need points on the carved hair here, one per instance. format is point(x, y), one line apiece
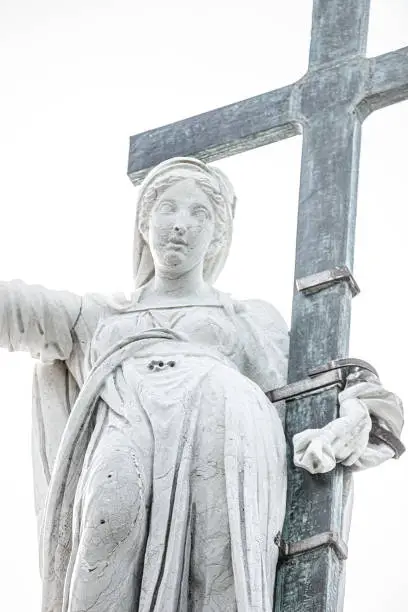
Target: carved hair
point(207, 185)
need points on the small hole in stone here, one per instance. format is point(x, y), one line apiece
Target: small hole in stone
point(172, 364)
point(161, 364)
point(109, 475)
point(103, 521)
point(151, 366)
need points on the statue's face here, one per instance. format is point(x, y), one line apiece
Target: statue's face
point(181, 228)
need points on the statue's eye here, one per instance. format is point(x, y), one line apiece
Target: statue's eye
point(200, 212)
point(167, 207)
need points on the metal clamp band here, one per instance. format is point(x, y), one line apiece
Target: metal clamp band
point(321, 280)
point(330, 374)
point(349, 364)
point(327, 538)
point(307, 386)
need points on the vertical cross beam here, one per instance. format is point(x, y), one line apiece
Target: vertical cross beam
point(312, 580)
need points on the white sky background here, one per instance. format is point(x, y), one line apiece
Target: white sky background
point(77, 78)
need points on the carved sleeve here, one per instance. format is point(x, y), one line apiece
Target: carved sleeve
point(37, 320)
point(383, 408)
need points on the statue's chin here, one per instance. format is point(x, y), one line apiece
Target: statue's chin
point(174, 259)
point(176, 262)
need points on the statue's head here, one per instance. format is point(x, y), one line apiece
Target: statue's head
point(184, 218)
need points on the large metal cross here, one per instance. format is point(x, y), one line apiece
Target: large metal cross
point(328, 105)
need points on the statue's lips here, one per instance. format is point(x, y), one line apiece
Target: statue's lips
point(177, 244)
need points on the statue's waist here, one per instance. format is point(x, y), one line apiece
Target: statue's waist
point(163, 344)
point(166, 350)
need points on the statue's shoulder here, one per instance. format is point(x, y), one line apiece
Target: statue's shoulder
point(260, 313)
point(96, 307)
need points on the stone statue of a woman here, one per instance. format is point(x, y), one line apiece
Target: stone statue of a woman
point(159, 461)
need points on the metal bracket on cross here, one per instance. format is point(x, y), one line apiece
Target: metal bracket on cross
point(334, 373)
point(328, 538)
point(328, 375)
point(322, 280)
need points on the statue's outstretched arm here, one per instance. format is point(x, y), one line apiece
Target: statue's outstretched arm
point(37, 320)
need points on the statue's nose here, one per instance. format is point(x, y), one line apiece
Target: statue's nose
point(179, 228)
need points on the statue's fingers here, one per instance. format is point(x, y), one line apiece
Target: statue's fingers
point(303, 438)
point(317, 458)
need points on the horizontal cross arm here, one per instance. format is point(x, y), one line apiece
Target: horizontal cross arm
point(387, 81)
point(210, 136)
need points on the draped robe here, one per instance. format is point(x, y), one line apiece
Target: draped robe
point(173, 398)
point(201, 435)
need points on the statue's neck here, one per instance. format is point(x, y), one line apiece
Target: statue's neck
point(187, 287)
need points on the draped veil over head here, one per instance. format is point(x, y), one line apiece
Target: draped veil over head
point(167, 173)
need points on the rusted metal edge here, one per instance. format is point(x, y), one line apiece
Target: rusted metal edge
point(327, 538)
point(321, 280)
